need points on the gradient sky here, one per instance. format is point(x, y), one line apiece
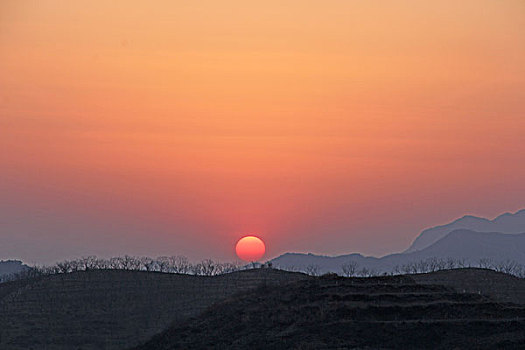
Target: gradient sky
point(176, 127)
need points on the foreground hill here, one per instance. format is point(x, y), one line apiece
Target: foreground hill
point(499, 286)
point(465, 245)
point(363, 313)
point(111, 309)
point(505, 223)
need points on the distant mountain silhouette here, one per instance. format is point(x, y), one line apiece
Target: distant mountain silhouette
point(505, 223)
point(472, 246)
point(9, 267)
point(468, 246)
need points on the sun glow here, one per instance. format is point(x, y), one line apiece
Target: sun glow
point(250, 248)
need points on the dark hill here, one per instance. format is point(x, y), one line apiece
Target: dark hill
point(357, 313)
point(500, 286)
point(110, 309)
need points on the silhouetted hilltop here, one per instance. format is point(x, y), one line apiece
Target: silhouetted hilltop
point(505, 223)
point(112, 309)
point(499, 286)
point(335, 312)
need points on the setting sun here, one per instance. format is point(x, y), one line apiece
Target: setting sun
point(250, 248)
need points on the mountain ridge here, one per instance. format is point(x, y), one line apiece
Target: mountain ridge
point(465, 246)
point(510, 223)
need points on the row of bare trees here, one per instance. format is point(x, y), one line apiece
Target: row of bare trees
point(352, 268)
point(435, 264)
point(167, 264)
point(207, 267)
point(170, 264)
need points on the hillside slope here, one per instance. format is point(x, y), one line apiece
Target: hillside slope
point(499, 286)
point(362, 313)
point(110, 309)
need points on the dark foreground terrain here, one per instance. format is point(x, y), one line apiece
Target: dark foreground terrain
point(332, 312)
point(111, 309)
point(261, 309)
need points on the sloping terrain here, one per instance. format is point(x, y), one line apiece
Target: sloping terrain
point(499, 286)
point(362, 313)
point(110, 309)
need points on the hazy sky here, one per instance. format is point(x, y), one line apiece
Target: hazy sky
point(175, 127)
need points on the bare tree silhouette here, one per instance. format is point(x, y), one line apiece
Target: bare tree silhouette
point(349, 268)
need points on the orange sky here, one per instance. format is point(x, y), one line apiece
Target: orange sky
point(174, 127)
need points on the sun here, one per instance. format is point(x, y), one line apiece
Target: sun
point(250, 248)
